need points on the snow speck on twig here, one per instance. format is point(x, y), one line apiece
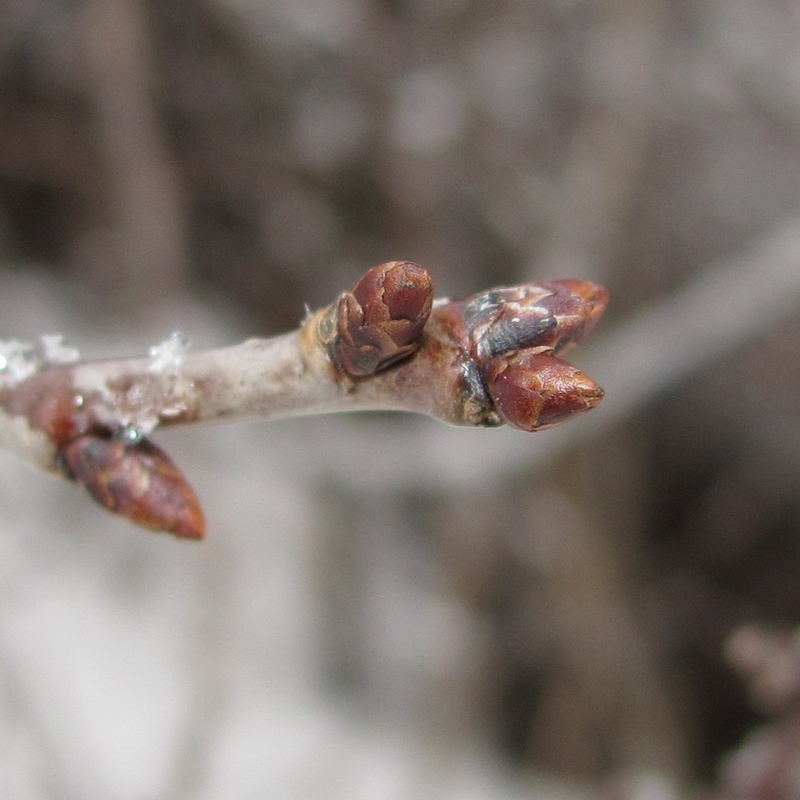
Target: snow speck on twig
point(168, 356)
point(17, 361)
point(54, 351)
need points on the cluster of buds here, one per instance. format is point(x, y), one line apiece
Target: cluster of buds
point(506, 339)
point(513, 335)
point(491, 359)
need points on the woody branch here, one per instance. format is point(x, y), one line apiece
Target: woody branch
point(386, 345)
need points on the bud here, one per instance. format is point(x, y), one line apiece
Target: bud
point(546, 316)
point(533, 391)
point(137, 481)
point(381, 321)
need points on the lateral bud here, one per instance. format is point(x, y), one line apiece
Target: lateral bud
point(137, 481)
point(380, 322)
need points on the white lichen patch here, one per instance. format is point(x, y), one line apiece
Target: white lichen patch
point(54, 351)
point(17, 361)
point(166, 360)
point(167, 357)
point(138, 410)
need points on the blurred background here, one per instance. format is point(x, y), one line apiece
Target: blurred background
point(386, 608)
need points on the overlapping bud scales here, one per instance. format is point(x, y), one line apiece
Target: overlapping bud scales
point(380, 321)
point(512, 336)
point(137, 481)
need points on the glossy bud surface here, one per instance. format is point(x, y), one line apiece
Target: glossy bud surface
point(381, 321)
point(137, 481)
point(532, 391)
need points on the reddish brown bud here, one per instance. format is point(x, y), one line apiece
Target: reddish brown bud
point(137, 481)
point(546, 316)
point(577, 305)
point(533, 391)
point(381, 321)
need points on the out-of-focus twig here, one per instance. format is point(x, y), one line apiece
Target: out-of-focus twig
point(146, 207)
point(607, 149)
point(626, 698)
point(770, 662)
point(766, 766)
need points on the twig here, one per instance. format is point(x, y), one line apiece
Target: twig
point(144, 198)
point(724, 307)
point(487, 360)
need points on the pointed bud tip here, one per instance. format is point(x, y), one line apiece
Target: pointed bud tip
point(593, 297)
point(589, 291)
point(190, 524)
point(138, 482)
point(532, 391)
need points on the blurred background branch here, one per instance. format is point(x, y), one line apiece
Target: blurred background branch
point(145, 212)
